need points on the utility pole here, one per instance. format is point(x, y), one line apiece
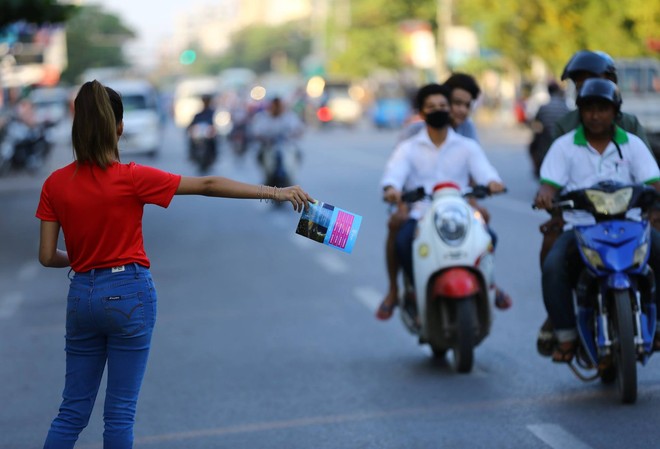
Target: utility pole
point(443, 18)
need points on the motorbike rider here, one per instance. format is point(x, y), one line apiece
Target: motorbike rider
point(463, 91)
point(582, 66)
point(453, 158)
point(275, 122)
point(598, 150)
point(205, 116)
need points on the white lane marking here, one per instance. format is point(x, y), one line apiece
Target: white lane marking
point(556, 437)
point(28, 271)
point(9, 304)
point(368, 296)
point(332, 262)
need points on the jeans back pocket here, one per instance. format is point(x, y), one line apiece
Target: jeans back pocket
point(125, 313)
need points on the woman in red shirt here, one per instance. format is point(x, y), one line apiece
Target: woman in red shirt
point(98, 203)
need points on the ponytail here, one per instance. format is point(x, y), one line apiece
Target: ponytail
point(94, 130)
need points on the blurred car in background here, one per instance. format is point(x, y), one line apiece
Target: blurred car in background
point(188, 95)
point(390, 112)
point(340, 103)
point(143, 123)
point(50, 104)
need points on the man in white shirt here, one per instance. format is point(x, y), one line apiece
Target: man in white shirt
point(435, 154)
point(597, 150)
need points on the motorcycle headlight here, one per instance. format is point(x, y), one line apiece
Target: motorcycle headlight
point(593, 258)
point(640, 254)
point(222, 121)
point(452, 224)
point(613, 203)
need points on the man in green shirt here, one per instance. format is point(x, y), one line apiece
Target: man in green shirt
point(583, 65)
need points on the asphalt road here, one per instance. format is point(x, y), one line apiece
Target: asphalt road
point(268, 340)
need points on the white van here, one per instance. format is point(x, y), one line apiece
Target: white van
point(188, 97)
point(142, 116)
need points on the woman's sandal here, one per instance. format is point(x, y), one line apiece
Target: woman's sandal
point(564, 352)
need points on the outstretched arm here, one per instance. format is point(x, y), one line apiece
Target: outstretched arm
point(222, 187)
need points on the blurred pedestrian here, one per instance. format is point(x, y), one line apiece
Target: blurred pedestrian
point(98, 202)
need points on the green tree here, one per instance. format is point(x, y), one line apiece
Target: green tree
point(34, 11)
point(555, 29)
point(373, 39)
point(94, 39)
point(255, 47)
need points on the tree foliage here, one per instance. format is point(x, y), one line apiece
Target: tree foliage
point(555, 29)
point(34, 11)
point(259, 46)
point(94, 39)
point(373, 39)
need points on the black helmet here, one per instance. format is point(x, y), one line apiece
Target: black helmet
point(599, 88)
point(596, 62)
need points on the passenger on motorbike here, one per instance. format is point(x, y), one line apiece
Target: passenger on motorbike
point(582, 66)
point(463, 91)
point(598, 150)
point(435, 154)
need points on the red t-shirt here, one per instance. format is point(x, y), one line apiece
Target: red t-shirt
point(100, 211)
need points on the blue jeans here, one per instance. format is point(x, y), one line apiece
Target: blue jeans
point(110, 317)
point(560, 272)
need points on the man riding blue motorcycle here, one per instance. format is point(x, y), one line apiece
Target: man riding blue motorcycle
point(597, 151)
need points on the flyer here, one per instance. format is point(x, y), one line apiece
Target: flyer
point(330, 225)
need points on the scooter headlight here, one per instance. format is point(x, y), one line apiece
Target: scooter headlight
point(593, 258)
point(452, 224)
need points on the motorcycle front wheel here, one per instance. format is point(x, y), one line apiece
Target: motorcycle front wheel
point(463, 347)
point(623, 345)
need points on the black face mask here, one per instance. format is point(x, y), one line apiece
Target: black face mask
point(437, 119)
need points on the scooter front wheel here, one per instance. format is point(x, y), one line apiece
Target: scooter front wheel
point(623, 342)
point(463, 347)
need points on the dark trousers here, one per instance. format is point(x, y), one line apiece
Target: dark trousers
point(560, 272)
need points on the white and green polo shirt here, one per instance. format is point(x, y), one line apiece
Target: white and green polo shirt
point(571, 163)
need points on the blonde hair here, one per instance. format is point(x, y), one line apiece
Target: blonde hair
point(94, 130)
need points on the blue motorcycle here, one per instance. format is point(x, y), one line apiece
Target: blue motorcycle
point(615, 292)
